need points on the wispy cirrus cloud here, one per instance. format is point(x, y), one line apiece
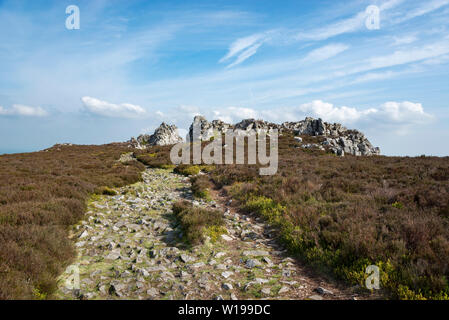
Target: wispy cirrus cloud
point(325, 52)
point(425, 8)
point(243, 48)
point(107, 109)
point(24, 111)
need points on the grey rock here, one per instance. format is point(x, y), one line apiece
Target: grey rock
point(186, 258)
point(227, 286)
point(227, 274)
point(323, 291)
point(256, 253)
point(266, 291)
point(251, 263)
point(152, 292)
point(284, 289)
point(164, 135)
point(339, 139)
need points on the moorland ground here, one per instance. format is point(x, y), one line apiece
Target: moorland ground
point(338, 215)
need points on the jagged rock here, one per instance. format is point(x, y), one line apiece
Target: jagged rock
point(257, 125)
point(117, 289)
point(339, 139)
point(201, 129)
point(164, 135)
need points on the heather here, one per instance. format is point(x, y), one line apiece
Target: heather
point(41, 195)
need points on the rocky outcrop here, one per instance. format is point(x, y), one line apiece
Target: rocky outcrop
point(164, 135)
point(201, 129)
point(338, 139)
point(257, 125)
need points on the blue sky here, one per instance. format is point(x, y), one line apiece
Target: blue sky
point(133, 64)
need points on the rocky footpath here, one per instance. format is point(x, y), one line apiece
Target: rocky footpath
point(130, 246)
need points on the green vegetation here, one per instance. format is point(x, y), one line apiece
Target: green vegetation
point(155, 157)
point(338, 214)
point(200, 186)
point(41, 194)
point(195, 221)
point(343, 214)
point(187, 170)
point(105, 191)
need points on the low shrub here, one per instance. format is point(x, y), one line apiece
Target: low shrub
point(196, 220)
point(187, 170)
point(106, 191)
point(200, 186)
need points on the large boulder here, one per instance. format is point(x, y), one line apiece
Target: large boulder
point(164, 135)
point(201, 129)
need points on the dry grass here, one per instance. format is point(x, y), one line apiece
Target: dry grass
point(41, 194)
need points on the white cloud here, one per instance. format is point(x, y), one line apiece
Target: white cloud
point(234, 114)
point(410, 55)
point(399, 113)
point(325, 52)
point(22, 110)
point(103, 108)
point(328, 111)
point(438, 60)
point(343, 26)
point(395, 116)
point(404, 112)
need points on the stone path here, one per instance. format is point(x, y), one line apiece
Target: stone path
point(130, 247)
